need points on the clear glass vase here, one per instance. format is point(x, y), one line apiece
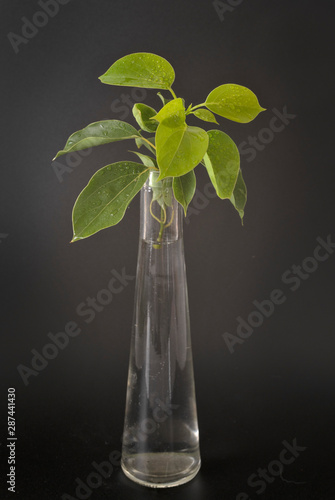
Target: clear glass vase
point(160, 445)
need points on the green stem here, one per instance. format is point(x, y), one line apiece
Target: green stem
point(172, 92)
point(198, 106)
point(146, 140)
point(161, 229)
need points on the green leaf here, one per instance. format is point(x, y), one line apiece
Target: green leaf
point(179, 149)
point(222, 161)
point(140, 70)
point(239, 196)
point(173, 111)
point(234, 102)
point(205, 115)
point(184, 189)
point(142, 114)
point(146, 160)
point(98, 133)
point(104, 200)
point(141, 142)
point(163, 99)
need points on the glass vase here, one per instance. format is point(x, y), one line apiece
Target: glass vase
point(160, 445)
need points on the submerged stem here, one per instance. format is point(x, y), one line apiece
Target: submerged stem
point(162, 194)
point(162, 222)
point(163, 226)
point(171, 220)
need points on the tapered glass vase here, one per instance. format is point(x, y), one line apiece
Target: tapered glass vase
point(160, 445)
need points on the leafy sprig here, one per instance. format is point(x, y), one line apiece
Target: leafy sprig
point(175, 147)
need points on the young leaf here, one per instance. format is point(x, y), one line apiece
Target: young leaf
point(179, 148)
point(222, 161)
point(239, 196)
point(163, 99)
point(173, 111)
point(142, 114)
point(188, 111)
point(184, 189)
point(140, 70)
point(234, 102)
point(146, 160)
point(141, 142)
point(98, 133)
point(205, 115)
point(103, 202)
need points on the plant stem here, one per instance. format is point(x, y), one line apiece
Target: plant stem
point(197, 106)
point(146, 140)
point(172, 92)
point(161, 229)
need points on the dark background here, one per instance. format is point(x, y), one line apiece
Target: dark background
point(279, 384)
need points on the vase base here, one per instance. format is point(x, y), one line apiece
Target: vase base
point(161, 470)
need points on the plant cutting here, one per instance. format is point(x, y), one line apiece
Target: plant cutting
point(161, 440)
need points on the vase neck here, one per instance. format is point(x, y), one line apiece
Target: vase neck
point(161, 215)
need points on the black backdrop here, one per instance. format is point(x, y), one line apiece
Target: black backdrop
point(275, 387)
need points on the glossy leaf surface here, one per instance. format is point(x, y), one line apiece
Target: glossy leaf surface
point(142, 114)
point(103, 202)
point(239, 196)
point(179, 148)
point(173, 111)
point(222, 161)
point(148, 161)
point(205, 115)
point(184, 189)
point(98, 133)
point(234, 102)
point(140, 70)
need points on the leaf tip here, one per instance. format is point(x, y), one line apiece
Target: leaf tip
point(161, 176)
